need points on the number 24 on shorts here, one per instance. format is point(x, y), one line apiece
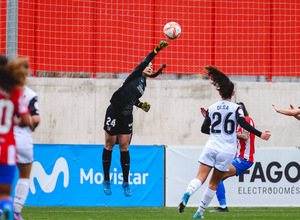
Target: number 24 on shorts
point(111, 122)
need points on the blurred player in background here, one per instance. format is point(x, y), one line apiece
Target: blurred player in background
point(220, 122)
point(291, 112)
point(12, 79)
point(119, 120)
point(242, 161)
point(24, 143)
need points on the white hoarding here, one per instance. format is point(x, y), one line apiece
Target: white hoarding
point(273, 180)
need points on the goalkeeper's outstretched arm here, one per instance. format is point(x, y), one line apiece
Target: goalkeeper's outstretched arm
point(158, 72)
point(141, 67)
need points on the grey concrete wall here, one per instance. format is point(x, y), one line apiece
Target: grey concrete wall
point(72, 110)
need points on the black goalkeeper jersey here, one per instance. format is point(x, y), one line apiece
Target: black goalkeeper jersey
point(132, 89)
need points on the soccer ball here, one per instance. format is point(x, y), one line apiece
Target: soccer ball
point(172, 30)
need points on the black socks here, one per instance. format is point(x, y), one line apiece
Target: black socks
point(106, 161)
point(125, 163)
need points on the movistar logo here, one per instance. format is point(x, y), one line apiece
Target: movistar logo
point(48, 182)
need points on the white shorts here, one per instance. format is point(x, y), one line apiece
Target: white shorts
point(25, 155)
point(213, 158)
point(24, 148)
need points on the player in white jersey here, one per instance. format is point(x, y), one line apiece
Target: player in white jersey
point(242, 161)
point(220, 122)
point(290, 112)
point(24, 143)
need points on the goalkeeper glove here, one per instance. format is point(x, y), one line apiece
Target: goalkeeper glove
point(145, 106)
point(161, 46)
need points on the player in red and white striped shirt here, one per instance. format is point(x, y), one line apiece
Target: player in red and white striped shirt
point(12, 78)
point(245, 144)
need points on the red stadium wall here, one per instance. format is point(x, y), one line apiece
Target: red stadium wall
point(241, 37)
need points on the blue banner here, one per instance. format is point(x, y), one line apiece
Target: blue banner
point(72, 175)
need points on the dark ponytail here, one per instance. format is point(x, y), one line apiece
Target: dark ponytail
point(220, 81)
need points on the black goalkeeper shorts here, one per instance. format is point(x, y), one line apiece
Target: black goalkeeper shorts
point(115, 123)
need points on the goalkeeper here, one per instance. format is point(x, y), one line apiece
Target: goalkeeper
point(118, 121)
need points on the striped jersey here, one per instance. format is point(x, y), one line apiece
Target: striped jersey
point(10, 105)
point(245, 149)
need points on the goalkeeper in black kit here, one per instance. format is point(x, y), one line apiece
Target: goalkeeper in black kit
point(118, 121)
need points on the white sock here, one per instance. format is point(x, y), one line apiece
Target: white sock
point(194, 186)
point(21, 193)
point(206, 199)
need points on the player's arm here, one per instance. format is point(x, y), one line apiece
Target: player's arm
point(24, 120)
point(296, 116)
point(203, 111)
point(290, 112)
point(244, 136)
point(158, 72)
point(143, 105)
point(34, 113)
point(139, 69)
point(205, 128)
point(34, 122)
point(244, 124)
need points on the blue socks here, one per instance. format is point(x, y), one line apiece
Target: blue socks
point(221, 194)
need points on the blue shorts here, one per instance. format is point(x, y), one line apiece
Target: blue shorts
point(7, 173)
point(241, 165)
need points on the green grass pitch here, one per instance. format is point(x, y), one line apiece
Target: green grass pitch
point(126, 213)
